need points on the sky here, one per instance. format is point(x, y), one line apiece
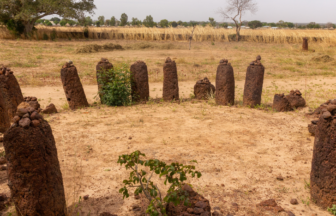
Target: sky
point(296, 11)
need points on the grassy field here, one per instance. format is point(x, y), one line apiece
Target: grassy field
point(240, 151)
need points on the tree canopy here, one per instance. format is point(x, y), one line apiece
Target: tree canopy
point(164, 23)
point(148, 22)
point(212, 21)
point(113, 21)
point(123, 19)
point(255, 24)
point(24, 14)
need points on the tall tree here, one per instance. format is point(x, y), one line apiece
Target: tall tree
point(135, 22)
point(113, 21)
point(255, 24)
point(101, 19)
point(107, 22)
point(212, 21)
point(174, 24)
point(164, 23)
point(148, 22)
point(26, 12)
point(123, 19)
point(235, 10)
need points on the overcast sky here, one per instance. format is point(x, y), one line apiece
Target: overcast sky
point(297, 11)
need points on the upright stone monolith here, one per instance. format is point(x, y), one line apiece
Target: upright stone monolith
point(203, 89)
point(225, 83)
point(139, 83)
point(11, 97)
point(305, 44)
point(72, 86)
point(102, 75)
point(254, 83)
point(34, 175)
point(323, 172)
point(170, 81)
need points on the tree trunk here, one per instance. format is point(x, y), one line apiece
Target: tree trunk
point(237, 34)
point(29, 28)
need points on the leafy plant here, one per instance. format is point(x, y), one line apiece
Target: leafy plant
point(116, 86)
point(45, 36)
point(332, 210)
point(175, 174)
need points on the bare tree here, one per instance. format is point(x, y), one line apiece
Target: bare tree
point(235, 9)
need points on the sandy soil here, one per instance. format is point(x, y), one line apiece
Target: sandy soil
point(240, 151)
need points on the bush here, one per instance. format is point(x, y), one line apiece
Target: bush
point(116, 86)
point(332, 210)
point(53, 34)
point(175, 174)
point(45, 36)
point(15, 27)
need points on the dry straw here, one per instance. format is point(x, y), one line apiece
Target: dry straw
point(182, 34)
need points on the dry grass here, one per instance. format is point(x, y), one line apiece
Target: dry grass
point(182, 34)
point(38, 63)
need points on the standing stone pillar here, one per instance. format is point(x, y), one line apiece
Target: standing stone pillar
point(72, 86)
point(34, 175)
point(139, 81)
point(323, 172)
point(10, 97)
point(305, 44)
point(170, 81)
point(254, 83)
point(102, 75)
point(225, 83)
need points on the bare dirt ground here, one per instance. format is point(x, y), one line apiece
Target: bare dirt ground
point(240, 151)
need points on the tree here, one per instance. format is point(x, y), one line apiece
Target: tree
point(255, 24)
point(97, 23)
point(148, 22)
point(113, 21)
point(107, 22)
point(290, 25)
point(55, 19)
point(39, 21)
point(281, 24)
point(135, 22)
point(47, 23)
point(63, 22)
point(185, 24)
point(329, 25)
point(101, 19)
point(313, 25)
point(88, 21)
point(272, 24)
point(27, 12)
point(174, 24)
point(123, 19)
point(179, 23)
point(235, 10)
point(224, 25)
point(164, 23)
point(212, 21)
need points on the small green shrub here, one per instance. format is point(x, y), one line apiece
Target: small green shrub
point(53, 35)
point(175, 174)
point(45, 36)
point(116, 86)
point(332, 210)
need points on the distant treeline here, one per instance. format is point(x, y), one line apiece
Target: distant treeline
point(149, 22)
